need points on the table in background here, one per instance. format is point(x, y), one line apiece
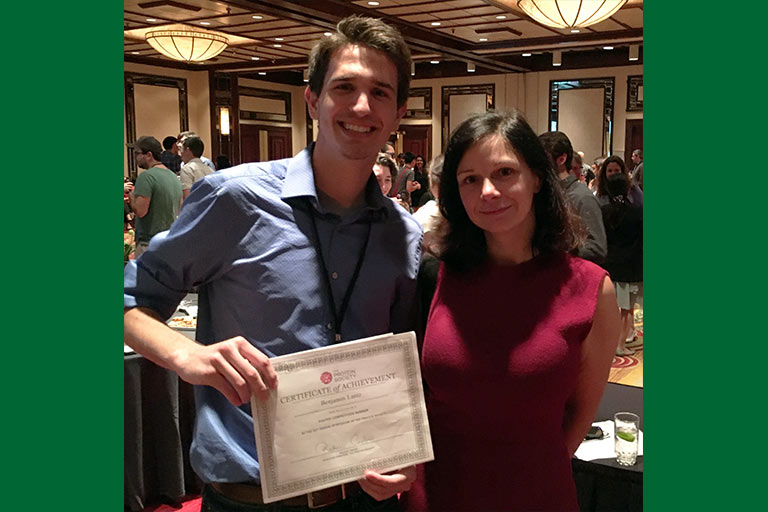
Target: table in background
point(603, 484)
point(159, 419)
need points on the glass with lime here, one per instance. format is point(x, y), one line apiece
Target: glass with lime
point(626, 432)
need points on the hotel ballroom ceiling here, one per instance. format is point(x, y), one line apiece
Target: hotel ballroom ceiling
point(275, 36)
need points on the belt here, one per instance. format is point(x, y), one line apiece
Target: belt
point(250, 493)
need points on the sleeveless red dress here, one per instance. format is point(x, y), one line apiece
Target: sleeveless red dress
point(500, 360)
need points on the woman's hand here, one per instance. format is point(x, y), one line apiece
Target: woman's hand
point(381, 487)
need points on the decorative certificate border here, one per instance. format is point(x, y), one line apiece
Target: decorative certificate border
point(405, 344)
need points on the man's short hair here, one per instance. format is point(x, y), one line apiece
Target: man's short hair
point(638, 153)
point(370, 32)
point(168, 142)
point(195, 145)
point(408, 157)
point(555, 144)
point(185, 134)
point(148, 144)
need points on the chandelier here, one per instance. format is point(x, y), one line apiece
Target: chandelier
point(569, 13)
point(187, 44)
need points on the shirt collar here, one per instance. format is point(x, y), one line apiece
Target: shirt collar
point(300, 182)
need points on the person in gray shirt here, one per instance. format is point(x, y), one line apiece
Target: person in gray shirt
point(560, 151)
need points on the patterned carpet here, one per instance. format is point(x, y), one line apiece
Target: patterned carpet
point(629, 369)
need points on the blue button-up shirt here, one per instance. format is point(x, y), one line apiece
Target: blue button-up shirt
point(244, 236)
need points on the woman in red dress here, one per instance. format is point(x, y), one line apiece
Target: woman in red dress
point(520, 334)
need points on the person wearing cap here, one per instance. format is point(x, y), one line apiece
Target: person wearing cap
point(275, 247)
point(156, 195)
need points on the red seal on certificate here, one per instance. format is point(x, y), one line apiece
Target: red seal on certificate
point(326, 378)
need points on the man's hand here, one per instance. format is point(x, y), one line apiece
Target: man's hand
point(382, 487)
point(234, 367)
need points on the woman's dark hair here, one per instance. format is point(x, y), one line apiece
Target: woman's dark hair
point(600, 180)
point(463, 245)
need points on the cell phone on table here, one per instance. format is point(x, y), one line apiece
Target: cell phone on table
point(594, 433)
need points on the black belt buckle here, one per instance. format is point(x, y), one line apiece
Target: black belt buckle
point(326, 497)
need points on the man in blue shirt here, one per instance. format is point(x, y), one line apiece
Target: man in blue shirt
point(288, 255)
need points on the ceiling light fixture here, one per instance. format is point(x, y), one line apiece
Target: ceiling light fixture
point(262, 72)
point(277, 45)
point(568, 13)
point(278, 39)
point(501, 17)
point(557, 58)
point(434, 62)
point(634, 52)
point(470, 67)
point(413, 68)
point(188, 44)
point(254, 58)
point(435, 23)
point(483, 39)
point(305, 75)
point(257, 17)
point(327, 34)
point(151, 20)
point(526, 55)
point(607, 47)
point(205, 23)
point(373, 3)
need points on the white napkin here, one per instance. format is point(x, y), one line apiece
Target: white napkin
point(592, 449)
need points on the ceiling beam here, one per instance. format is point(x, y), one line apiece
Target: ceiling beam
point(326, 13)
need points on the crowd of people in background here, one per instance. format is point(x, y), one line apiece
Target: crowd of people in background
point(183, 155)
point(606, 197)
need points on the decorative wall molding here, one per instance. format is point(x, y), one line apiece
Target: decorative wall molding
point(268, 94)
point(452, 90)
point(131, 79)
point(634, 93)
point(422, 113)
point(606, 84)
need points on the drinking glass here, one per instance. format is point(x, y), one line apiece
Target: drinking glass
point(626, 433)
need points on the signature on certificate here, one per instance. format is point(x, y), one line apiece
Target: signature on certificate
point(356, 440)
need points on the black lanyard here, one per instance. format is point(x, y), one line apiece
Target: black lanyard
point(338, 316)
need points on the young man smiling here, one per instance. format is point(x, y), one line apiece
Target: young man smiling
point(288, 256)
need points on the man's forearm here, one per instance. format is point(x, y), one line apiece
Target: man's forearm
point(149, 336)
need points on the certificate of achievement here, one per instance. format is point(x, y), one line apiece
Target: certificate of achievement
point(338, 411)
